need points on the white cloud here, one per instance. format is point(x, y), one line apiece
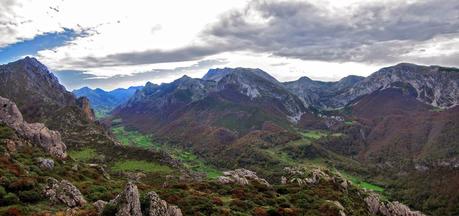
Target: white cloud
point(147, 28)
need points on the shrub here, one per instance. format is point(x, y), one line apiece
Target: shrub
point(2, 191)
point(5, 132)
point(10, 199)
point(109, 210)
point(99, 193)
point(30, 196)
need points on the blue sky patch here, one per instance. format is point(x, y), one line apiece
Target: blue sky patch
point(31, 47)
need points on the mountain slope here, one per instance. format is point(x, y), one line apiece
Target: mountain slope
point(210, 115)
point(434, 85)
point(317, 93)
point(41, 98)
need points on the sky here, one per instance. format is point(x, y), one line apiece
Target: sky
point(110, 44)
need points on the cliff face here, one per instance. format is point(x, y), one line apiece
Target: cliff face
point(37, 133)
point(83, 103)
point(433, 85)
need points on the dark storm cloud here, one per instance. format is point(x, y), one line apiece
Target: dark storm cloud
point(151, 57)
point(73, 79)
point(370, 32)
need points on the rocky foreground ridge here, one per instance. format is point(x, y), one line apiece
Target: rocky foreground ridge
point(38, 133)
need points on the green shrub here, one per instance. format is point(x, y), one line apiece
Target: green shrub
point(2, 191)
point(109, 210)
point(99, 193)
point(30, 196)
point(5, 132)
point(10, 199)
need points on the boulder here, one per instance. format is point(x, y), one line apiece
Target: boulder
point(99, 205)
point(37, 133)
point(45, 163)
point(128, 201)
point(64, 192)
point(159, 207)
point(301, 177)
point(241, 177)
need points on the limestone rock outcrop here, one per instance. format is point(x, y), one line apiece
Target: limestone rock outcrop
point(83, 103)
point(45, 163)
point(241, 177)
point(37, 133)
point(64, 192)
point(377, 207)
point(128, 201)
point(159, 207)
point(301, 177)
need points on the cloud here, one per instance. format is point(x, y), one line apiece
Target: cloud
point(74, 79)
point(371, 32)
point(190, 53)
point(40, 42)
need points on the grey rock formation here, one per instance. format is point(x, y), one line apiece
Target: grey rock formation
point(317, 93)
point(377, 207)
point(128, 201)
point(46, 163)
point(159, 207)
point(99, 205)
point(241, 177)
point(433, 85)
point(64, 192)
point(83, 103)
point(304, 177)
point(37, 133)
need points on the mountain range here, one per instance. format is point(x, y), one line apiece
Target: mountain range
point(104, 101)
point(303, 147)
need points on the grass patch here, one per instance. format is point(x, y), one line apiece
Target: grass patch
point(362, 184)
point(188, 159)
point(140, 165)
point(313, 134)
point(436, 109)
point(132, 138)
point(85, 154)
point(192, 162)
point(102, 112)
point(349, 122)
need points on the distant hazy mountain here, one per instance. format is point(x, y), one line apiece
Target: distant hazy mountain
point(104, 101)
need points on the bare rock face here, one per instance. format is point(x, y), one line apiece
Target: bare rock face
point(49, 140)
point(128, 201)
point(99, 205)
point(64, 192)
point(83, 103)
point(241, 177)
point(159, 207)
point(377, 207)
point(46, 163)
point(303, 177)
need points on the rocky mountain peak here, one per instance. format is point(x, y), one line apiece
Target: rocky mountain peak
point(83, 103)
point(220, 73)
